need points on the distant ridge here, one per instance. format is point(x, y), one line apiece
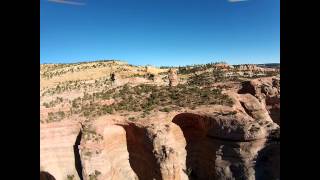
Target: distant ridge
point(89, 61)
point(266, 65)
point(270, 65)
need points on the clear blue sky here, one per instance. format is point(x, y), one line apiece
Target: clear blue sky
point(160, 32)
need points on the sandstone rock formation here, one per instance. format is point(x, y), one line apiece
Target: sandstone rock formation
point(210, 140)
point(193, 146)
point(248, 67)
point(216, 143)
point(267, 91)
point(254, 68)
point(131, 151)
point(157, 79)
point(58, 149)
point(223, 66)
point(173, 78)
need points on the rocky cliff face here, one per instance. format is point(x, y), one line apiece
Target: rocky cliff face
point(249, 67)
point(58, 151)
point(267, 91)
point(138, 128)
point(205, 143)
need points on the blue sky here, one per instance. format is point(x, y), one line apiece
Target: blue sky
point(160, 32)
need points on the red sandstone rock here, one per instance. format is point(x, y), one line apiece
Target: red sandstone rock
point(267, 91)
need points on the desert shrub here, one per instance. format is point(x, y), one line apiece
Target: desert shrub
point(88, 153)
point(53, 103)
point(137, 75)
point(146, 98)
point(70, 177)
point(94, 175)
point(89, 133)
point(55, 116)
point(46, 105)
point(166, 109)
point(96, 172)
point(107, 109)
point(150, 76)
point(112, 77)
point(218, 74)
point(203, 79)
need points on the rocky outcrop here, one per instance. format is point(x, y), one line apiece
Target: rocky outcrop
point(173, 78)
point(130, 151)
point(110, 157)
point(249, 67)
point(267, 91)
point(226, 146)
point(216, 142)
point(223, 66)
point(108, 139)
point(157, 79)
point(246, 160)
point(58, 153)
point(193, 146)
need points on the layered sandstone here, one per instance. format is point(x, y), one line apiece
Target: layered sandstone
point(171, 146)
point(183, 148)
point(249, 67)
point(58, 151)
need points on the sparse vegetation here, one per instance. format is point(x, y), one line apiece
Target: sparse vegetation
point(53, 103)
point(131, 118)
point(49, 71)
point(70, 177)
point(190, 69)
point(55, 116)
point(88, 153)
point(101, 98)
point(166, 109)
point(148, 97)
point(150, 76)
point(88, 133)
point(94, 176)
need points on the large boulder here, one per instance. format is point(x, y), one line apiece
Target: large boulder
point(173, 78)
point(267, 91)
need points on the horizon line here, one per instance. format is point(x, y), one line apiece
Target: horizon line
point(102, 60)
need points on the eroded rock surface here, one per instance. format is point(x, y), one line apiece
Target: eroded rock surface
point(57, 150)
point(267, 91)
point(209, 127)
point(219, 142)
point(173, 78)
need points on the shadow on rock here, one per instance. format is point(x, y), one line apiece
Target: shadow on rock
point(46, 176)
point(141, 157)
